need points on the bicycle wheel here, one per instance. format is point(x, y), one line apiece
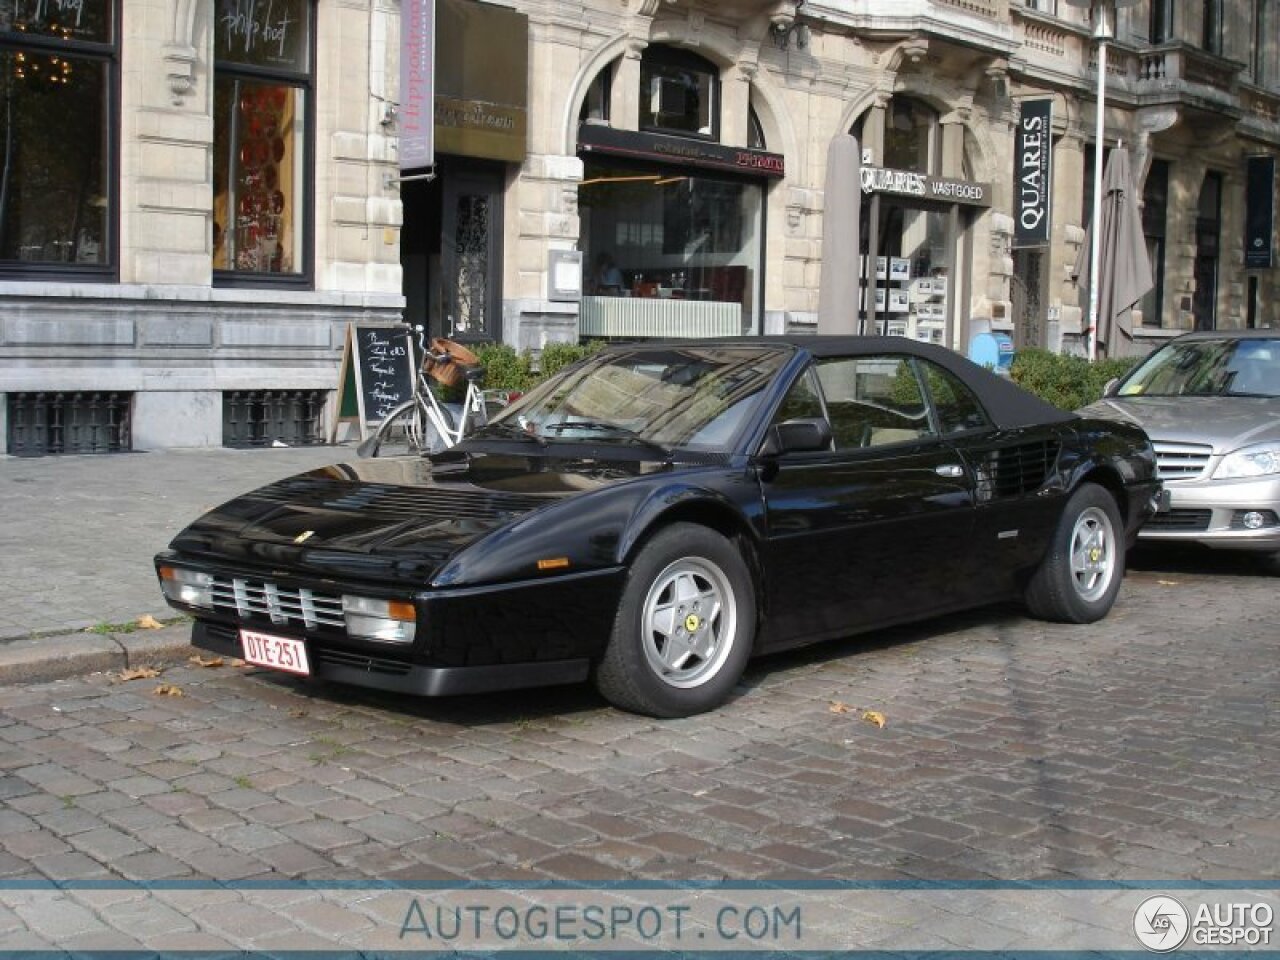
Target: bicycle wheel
point(401, 431)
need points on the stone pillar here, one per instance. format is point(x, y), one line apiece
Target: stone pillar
point(624, 103)
point(735, 104)
point(1065, 295)
point(952, 147)
point(358, 232)
point(546, 201)
point(1185, 180)
point(1231, 277)
point(165, 194)
point(873, 130)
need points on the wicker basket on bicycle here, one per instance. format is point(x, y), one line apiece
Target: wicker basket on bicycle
point(449, 371)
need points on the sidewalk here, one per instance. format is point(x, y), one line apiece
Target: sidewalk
point(77, 538)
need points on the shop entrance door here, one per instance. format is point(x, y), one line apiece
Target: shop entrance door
point(471, 253)
point(1208, 238)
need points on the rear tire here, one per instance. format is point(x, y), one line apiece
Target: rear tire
point(685, 627)
point(1079, 578)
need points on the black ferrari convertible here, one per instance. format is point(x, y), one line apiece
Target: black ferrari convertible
point(656, 515)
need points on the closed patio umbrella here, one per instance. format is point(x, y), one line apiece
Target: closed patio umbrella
point(841, 207)
point(1124, 273)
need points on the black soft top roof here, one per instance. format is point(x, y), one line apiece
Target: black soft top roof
point(1008, 404)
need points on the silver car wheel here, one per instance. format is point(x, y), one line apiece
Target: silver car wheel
point(1093, 554)
point(689, 622)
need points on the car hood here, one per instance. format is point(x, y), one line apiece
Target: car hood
point(1225, 423)
point(397, 519)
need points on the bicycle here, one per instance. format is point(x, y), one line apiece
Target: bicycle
point(423, 424)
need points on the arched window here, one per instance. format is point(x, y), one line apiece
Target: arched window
point(911, 140)
point(679, 93)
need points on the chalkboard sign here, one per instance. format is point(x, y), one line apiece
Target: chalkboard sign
point(377, 374)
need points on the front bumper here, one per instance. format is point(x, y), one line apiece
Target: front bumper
point(361, 669)
point(1210, 513)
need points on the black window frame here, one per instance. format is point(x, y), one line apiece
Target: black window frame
point(1212, 27)
point(679, 58)
point(107, 53)
point(303, 279)
point(1160, 21)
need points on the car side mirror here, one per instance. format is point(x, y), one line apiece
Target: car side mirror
point(1110, 389)
point(801, 435)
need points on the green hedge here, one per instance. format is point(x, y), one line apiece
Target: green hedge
point(1065, 381)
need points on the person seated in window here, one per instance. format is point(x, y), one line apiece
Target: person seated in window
point(608, 278)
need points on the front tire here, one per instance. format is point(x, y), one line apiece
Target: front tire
point(685, 627)
point(1079, 578)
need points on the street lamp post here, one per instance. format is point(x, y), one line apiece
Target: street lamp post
point(1102, 13)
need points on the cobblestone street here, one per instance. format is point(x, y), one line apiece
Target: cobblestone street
point(1144, 747)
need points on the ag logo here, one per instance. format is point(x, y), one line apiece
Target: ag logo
point(1161, 924)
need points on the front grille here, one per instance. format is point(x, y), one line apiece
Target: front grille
point(1181, 461)
point(1181, 520)
point(362, 662)
point(41, 424)
point(413, 503)
point(283, 606)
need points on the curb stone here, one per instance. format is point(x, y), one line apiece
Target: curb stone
point(42, 659)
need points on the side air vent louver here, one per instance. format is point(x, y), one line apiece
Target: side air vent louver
point(1013, 471)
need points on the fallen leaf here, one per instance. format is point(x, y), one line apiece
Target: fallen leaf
point(874, 716)
point(200, 661)
point(838, 707)
point(139, 673)
point(237, 662)
point(297, 712)
point(168, 690)
point(1167, 583)
point(148, 622)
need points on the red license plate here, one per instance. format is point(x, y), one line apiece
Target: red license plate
point(277, 653)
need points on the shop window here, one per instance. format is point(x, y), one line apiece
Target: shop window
point(911, 136)
point(1160, 26)
point(679, 93)
point(60, 66)
point(755, 132)
point(1212, 26)
point(684, 249)
point(1155, 217)
point(262, 154)
point(595, 106)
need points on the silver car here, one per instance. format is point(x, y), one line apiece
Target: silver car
point(1211, 404)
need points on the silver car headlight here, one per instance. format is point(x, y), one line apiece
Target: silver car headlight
point(1262, 460)
point(385, 621)
point(191, 588)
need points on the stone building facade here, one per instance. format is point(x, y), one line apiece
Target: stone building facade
point(242, 210)
point(931, 88)
point(676, 149)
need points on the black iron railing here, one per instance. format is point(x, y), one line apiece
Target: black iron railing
point(261, 418)
point(52, 422)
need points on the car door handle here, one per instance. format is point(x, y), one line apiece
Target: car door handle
point(952, 470)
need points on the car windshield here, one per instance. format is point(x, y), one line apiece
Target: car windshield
point(693, 398)
point(1245, 367)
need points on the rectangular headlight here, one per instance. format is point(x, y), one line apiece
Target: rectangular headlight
point(384, 621)
point(191, 588)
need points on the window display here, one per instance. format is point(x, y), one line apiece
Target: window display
point(260, 140)
point(910, 282)
point(56, 192)
point(688, 246)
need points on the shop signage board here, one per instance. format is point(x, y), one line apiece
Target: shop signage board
point(417, 82)
point(680, 150)
point(1260, 209)
point(376, 376)
point(907, 183)
point(1033, 173)
point(481, 80)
